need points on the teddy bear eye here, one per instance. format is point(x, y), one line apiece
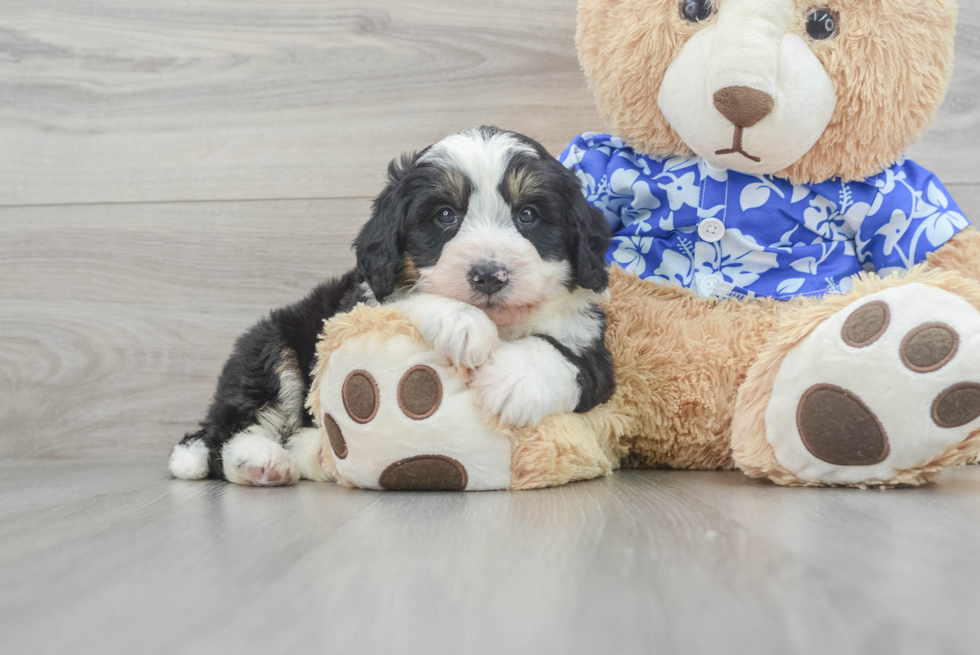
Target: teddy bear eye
point(821, 24)
point(695, 11)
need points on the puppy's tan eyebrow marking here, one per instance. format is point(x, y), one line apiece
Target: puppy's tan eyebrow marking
point(454, 185)
point(522, 183)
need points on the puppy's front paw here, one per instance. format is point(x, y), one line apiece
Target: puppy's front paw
point(461, 332)
point(252, 458)
point(525, 381)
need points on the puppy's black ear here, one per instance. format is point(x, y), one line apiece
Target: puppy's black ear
point(378, 246)
point(590, 239)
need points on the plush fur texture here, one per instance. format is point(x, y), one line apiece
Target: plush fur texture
point(755, 455)
point(693, 379)
point(890, 66)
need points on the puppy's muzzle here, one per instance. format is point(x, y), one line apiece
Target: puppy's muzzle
point(489, 278)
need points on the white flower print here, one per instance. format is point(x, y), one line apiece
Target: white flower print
point(823, 218)
point(790, 285)
point(894, 230)
point(780, 240)
point(940, 225)
point(757, 194)
point(682, 191)
point(631, 253)
point(710, 172)
point(738, 257)
point(677, 267)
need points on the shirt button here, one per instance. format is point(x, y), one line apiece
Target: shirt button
point(711, 230)
point(708, 284)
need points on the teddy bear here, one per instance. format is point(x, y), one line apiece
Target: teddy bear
point(788, 296)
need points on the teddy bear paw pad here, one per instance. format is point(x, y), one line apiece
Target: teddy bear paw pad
point(397, 417)
point(886, 385)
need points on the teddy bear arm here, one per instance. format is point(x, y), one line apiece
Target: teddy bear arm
point(960, 254)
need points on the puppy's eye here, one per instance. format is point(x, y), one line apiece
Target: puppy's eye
point(447, 217)
point(822, 24)
point(695, 11)
point(527, 216)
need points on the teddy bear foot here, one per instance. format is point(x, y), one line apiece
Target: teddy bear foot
point(398, 417)
point(885, 392)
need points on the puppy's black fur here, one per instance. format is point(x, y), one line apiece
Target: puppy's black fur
point(399, 231)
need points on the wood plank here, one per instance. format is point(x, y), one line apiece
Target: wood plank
point(107, 100)
point(115, 320)
point(951, 147)
point(119, 557)
point(111, 101)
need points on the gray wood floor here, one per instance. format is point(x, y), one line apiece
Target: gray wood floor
point(120, 559)
point(169, 171)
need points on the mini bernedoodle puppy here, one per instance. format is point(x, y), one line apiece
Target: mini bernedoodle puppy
point(487, 244)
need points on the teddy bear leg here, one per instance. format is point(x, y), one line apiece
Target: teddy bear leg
point(564, 448)
point(875, 390)
point(397, 416)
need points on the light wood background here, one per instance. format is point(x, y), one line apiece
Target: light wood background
point(170, 170)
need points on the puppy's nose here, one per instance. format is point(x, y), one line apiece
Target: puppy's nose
point(743, 106)
point(488, 278)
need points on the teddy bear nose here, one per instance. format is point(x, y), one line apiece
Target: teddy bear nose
point(743, 106)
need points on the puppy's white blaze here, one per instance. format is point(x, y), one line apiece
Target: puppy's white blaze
point(189, 461)
point(481, 156)
point(532, 280)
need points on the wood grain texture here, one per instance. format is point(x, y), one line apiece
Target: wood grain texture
point(117, 558)
point(112, 100)
point(115, 320)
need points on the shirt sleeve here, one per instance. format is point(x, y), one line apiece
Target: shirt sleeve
point(911, 216)
point(589, 156)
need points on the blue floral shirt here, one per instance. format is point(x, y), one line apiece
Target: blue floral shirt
point(728, 234)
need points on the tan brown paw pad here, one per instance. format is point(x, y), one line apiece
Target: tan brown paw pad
point(424, 473)
point(883, 387)
point(397, 417)
point(957, 406)
point(929, 347)
point(838, 428)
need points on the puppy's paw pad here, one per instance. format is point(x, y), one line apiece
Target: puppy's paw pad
point(255, 460)
point(267, 476)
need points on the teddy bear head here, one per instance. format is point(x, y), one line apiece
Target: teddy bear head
point(807, 90)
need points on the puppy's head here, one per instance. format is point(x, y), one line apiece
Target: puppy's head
point(487, 217)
